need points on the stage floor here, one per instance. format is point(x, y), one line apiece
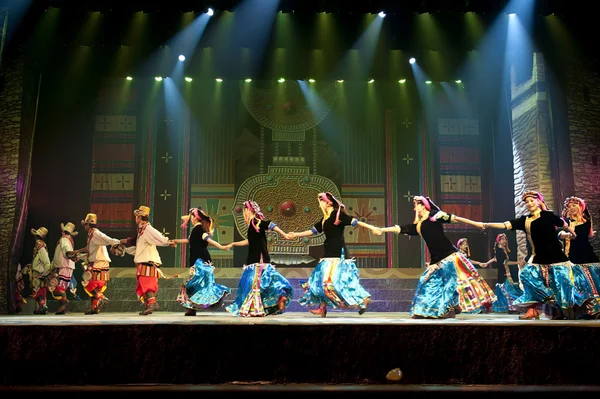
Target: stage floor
point(333, 318)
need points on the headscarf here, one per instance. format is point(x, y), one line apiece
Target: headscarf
point(330, 199)
point(199, 214)
point(253, 206)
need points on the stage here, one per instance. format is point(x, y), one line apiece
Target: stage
point(295, 348)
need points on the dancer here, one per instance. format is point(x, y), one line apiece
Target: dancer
point(586, 268)
point(450, 284)
point(335, 280)
point(64, 265)
point(507, 286)
point(97, 271)
point(262, 291)
point(39, 271)
point(548, 278)
point(200, 290)
point(146, 258)
point(463, 246)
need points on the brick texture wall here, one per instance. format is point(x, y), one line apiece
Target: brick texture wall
point(583, 110)
point(10, 129)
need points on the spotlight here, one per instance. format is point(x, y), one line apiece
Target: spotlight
point(219, 80)
point(248, 80)
point(311, 80)
point(129, 78)
point(371, 81)
point(340, 81)
point(381, 14)
point(412, 60)
point(428, 82)
point(402, 81)
point(182, 57)
point(188, 79)
point(158, 78)
point(210, 12)
point(281, 80)
point(512, 14)
point(458, 81)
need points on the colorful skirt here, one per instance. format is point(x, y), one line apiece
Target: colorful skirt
point(548, 284)
point(336, 283)
point(451, 286)
point(587, 283)
point(506, 293)
point(200, 291)
point(262, 291)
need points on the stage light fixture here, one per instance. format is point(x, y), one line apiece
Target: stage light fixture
point(210, 12)
point(158, 78)
point(311, 80)
point(371, 81)
point(340, 80)
point(219, 80)
point(412, 60)
point(458, 81)
point(281, 80)
point(428, 82)
point(182, 57)
point(248, 80)
point(129, 78)
point(188, 79)
point(402, 81)
point(381, 14)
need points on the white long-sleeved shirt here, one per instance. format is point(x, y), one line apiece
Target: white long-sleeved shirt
point(41, 261)
point(60, 259)
point(144, 250)
point(97, 242)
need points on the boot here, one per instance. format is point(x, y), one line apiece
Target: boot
point(150, 302)
point(364, 309)
point(190, 312)
point(531, 314)
point(94, 304)
point(321, 310)
point(63, 305)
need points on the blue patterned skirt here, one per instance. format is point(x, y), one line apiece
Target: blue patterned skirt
point(336, 283)
point(262, 291)
point(506, 293)
point(200, 291)
point(587, 282)
point(554, 283)
point(451, 286)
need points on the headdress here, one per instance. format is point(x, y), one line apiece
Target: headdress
point(330, 199)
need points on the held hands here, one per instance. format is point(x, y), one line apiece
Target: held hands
point(377, 231)
point(291, 236)
point(172, 244)
point(228, 246)
point(481, 226)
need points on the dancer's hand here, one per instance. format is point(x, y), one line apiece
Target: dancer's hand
point(377, 231)
point(172, 244)
point(480, 225)
point(228, 246)
point(291, 235)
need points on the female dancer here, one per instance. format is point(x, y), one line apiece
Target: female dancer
point(547, 279)
point(262, 291)
point(507, 290)
point(464, 248)
point(200, 291)
point(335, 279)
point(586, 268)
point(450, 284)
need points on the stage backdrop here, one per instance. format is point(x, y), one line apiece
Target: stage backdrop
point(215, 144)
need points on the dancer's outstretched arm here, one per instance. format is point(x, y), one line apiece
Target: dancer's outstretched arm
point(305, 233)
point(282, 233)
point(376, 230)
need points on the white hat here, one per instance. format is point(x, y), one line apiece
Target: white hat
point(69, 228)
